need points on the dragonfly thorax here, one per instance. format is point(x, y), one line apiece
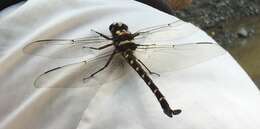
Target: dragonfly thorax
point(126, 46)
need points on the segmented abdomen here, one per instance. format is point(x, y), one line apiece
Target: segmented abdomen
point(133, 62)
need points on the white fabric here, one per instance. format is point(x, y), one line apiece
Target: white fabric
point(216, 94)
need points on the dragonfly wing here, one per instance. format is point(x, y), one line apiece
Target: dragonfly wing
point(163, 58)
point(158, 27)
point(65, 48)
point(72, 75)
point(166, 34)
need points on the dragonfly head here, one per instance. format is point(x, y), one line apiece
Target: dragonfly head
point(119, 29)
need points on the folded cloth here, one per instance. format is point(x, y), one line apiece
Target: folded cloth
point(212, 94)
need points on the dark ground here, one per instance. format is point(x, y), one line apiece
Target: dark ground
point(212, 15)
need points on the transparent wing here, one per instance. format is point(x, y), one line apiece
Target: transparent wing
point(163, 58)
point(65, 48)
point(158, 27)
point(69, 48)
point(165, 33)
point(71, 75)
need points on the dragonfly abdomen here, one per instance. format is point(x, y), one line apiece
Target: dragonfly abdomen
point(133, 62)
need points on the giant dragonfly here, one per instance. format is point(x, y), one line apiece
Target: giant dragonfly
point(148, 51)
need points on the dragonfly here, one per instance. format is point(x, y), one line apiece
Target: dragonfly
point(148, 51)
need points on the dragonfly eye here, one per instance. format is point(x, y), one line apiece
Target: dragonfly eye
point(118, 26)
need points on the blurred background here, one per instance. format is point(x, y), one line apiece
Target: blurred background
point(234, 24)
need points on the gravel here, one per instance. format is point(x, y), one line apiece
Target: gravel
point(212, 15)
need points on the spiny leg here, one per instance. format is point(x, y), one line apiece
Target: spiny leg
point(99, 48)
point(106, 37)
point(108, 62)
point(135, 34)
point(145, 45)
point(150, 72)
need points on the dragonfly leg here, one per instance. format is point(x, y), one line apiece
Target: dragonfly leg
point(108, 62)
point(135, 34)
point(99, 48)
point(146, 45)
point(106, 37)
point(150, 72)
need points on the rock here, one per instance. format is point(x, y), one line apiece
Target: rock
point(252, 31)
point(242, 33)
